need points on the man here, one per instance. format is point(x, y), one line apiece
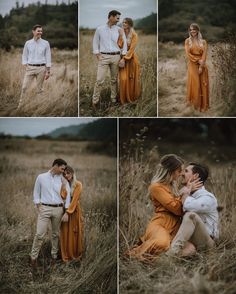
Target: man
point(108, 54)
point(37, 61)
point(49, 203)
point(199, 227)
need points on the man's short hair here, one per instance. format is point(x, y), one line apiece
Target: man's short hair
point(113, 13)
point(36, 26)
point(59, 162)
point(201, 170)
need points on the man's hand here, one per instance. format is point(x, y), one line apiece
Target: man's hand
point(98, 55)
point(65, 218)
point(37, 206)
point(47, 75)
point(200, 70)
point(122, 63)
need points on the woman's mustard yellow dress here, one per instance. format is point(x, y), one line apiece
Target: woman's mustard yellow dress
point(129, 76)
point(163, 226)
point(72, 232)
point(197, 84)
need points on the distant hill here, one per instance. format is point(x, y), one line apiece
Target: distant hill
point(215, 17)
point(98, 130)
point(147, 24)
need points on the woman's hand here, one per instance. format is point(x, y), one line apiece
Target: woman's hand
point(200, 70)
point(194, 185)
point(65, 218)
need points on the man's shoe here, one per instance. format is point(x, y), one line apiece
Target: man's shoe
point(33, 263)
point(94, 105)
point(53, 262)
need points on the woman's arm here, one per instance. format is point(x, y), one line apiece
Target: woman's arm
point(75, 198)
point(190, 56)
point(133, 45)
point(204, 55)
point(173, 204)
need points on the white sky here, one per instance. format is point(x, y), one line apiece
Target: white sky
point(37, 126)
point(94, 12)
point(7, 5)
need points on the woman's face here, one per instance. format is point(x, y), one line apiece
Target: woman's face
point(177, 173)
point(193, 31)
point(125, 24)
point(68, 176)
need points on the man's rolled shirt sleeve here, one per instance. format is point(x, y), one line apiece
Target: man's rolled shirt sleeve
point(48, 56)
point(25, 55)
point(96, 43)
point(37, 190)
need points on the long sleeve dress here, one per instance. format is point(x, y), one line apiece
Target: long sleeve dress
point(197, 84)
point(129, 76)
point(163, 226)
point(72, 232)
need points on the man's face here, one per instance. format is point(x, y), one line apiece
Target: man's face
point(114, 19)
point(37, 33)
point(59, 169)
point(188, 174)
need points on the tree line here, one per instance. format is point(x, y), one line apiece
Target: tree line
point(60, 25)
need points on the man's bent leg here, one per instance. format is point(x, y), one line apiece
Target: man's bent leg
point(192, 229)
point(56, 221)
point(103, 65)
point(42, 225)
point(114, 68)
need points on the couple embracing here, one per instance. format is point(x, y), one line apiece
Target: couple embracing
point(56, 197)
point(114, 48)
point(186, 219)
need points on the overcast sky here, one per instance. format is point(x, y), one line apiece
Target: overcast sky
point(37, 126)
point(7, 5)
point(94, 12)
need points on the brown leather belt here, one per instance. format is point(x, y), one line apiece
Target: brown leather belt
point(53, 205)
point(110, 53)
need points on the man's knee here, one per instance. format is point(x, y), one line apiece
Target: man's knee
point(190, 215)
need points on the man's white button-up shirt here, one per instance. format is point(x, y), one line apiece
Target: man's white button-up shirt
point(205, 205)
point(47, 189)
point(37, 52)
point(106, 38)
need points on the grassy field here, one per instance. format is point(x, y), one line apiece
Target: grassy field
point(209, 272)
point(21, 161)
point(60, 96)
point(145, 106)
point(172, 68)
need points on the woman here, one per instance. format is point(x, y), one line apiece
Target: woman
point(129, 73)
point(72, 229)
point(197, 82)
point(168, 209)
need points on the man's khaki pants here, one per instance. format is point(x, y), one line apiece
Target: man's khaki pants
point(47, 214)
point(193, 230)
point(32, 72)
point(105, 63)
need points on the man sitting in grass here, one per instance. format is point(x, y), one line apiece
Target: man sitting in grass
point(199, 228)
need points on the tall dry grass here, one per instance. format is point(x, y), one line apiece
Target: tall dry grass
point(21, 161)
point(172, 69)
point(209, 272)
point(145, 106)
point(60, 96)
